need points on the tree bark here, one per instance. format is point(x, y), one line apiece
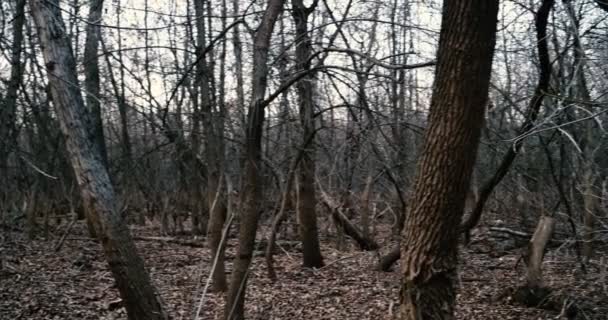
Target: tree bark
point(533, 293)
point(132, 279)
point(238, 62)
point(307, 201)
point(252, 188)
point(91, 82)
point(536, 251)
point(531, 115)
point(213, 152)
point(8, 105)
point(429, 248)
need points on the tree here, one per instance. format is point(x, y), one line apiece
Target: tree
point(8, 104)
point(91, 63)
point(307, 201)
point(252, 189)
point(429, 241)
point(214, 150)
point(531, 116)
point(140, 297)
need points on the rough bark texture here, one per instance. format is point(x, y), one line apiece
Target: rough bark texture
point(429, 242)
point(531, 115)
point(307, 201)
point(252, 188)
point(91, 82)
point(140, 298)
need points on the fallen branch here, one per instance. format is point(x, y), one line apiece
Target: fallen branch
point(181, 242)
point(511, 232)
point(365, 243)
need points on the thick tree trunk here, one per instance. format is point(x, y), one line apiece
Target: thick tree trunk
point(429, 248)
point(307, 200)
point(252, 188)
point(132, 279)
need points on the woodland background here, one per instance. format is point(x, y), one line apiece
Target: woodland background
point(172, 94)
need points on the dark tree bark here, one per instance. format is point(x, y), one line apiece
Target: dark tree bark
point(140, 297)
point(531, 115)
point(307, 201)
point(252, 188)
point(91, 82)
point(8, 105)
point(429, 246)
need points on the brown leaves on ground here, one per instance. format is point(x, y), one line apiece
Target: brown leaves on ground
point(74, 283)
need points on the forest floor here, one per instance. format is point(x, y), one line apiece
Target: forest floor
point(36, 282)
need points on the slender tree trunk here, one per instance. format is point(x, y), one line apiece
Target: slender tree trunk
point(122, 103)
point(134, 284)
point(91, 82)
point(213, 152)
point(216, 191)
point(531, 115)
point(238, 62)
point(8, 107)
point(252, 188)
point(580, 91)
point(536, 251)
point(429, 248)
point(307, 201)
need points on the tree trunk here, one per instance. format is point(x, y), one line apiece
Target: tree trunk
point(429, 248)
point(531, 115)
point(533, 293)
point(238, 63)
point(132, 279)
point(252, 188)
point(213, 152)
point(307, 200)
point(91, 82)
point(536, 251)
point(8, 107)
point(366, 210)
point(589, 203)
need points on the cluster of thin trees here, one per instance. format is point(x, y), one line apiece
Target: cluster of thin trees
point(241, 113)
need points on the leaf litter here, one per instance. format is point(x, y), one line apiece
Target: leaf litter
point(75, 283)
